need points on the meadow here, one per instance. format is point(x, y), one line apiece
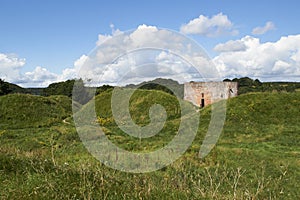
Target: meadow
point(256, 157)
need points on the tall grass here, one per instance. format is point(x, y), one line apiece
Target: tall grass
point(257, 156)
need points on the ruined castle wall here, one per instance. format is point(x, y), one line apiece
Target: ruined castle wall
point(205, 93)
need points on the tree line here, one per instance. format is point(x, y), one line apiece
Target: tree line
point(246, 85)
point(84, 94)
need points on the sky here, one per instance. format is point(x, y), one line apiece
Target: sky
point(42, 42)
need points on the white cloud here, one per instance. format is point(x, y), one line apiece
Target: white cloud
point(10, 65)
point(11, 60)
point(231, 46)
point(262, 30)
point(143, 54)
point(217, 25)
point(38, 77)
point(71, 73)
point(268, 61)
point(79, 62)
point(103, 38)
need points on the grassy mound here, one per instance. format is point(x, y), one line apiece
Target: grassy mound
point(139, 105)
point(23, 111)
point(274, 116)
point(65, 102)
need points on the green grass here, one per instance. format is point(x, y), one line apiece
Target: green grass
point(139, 106)
point(256, 157)
point(19, 111)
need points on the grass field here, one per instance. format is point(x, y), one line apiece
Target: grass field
point(256, 157)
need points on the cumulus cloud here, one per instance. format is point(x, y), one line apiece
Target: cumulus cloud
point(71, 73)
point(262, 30)
point(231, 45)
point(10, 65)
point(40, 77)
point(11, 60)
point(268, 61)
point(144, 54)
point(217, 25)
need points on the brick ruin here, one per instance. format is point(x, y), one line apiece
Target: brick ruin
point(205, 93)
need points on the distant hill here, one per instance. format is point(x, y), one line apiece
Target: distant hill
point(166, 85)
point(6, 88)
point(34, 91)
point(60, 88)
point(10, 88)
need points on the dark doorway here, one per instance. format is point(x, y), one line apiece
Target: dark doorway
point(202, 103)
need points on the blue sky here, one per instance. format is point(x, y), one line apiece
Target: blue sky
point(53, 35)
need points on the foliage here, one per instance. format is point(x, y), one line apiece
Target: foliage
point(81, 93)
point(4, 87)
point(10, 88)
point(105, 121)
point(70, 88)
point(167, 85)
point(247, 85)
point(103, 88)
point(60, 88)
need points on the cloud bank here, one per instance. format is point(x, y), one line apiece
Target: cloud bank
point(11, 65)
point(144, 54)
point(278, 60)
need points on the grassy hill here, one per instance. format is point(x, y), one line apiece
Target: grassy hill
point(140, 103)
point(139, 106)
point(256, 157)
point(10, 88)
point(24, 111)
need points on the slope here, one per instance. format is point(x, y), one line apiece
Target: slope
point(24, 110)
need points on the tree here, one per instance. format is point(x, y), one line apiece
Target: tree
point(60, 88)
point(103, 88)
point(80, 93)
point(227, 80)
point(257, 82)
point(4, 87)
